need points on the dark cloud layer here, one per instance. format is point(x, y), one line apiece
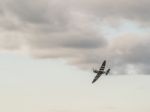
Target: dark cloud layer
point(71, 29)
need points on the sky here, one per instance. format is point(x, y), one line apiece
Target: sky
point(48, 49)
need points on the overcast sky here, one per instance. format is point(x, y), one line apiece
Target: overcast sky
point(73, 36)
point(82, 32)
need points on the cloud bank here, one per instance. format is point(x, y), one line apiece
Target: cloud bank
point(72, 30)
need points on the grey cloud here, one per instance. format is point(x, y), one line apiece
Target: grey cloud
point(124, 54)
point(71, 30)
point(57, 13)
point(140, 56)
point(133, 51)
point(47, 16)
point(67, 39)
point(29, 11)
point(119, 9)
point(85, 42)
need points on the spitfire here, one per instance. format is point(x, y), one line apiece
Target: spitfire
point(100, 71)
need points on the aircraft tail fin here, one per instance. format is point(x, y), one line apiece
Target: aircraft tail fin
point(107, 71)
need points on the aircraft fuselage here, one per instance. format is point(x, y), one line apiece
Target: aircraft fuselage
point(100, 71)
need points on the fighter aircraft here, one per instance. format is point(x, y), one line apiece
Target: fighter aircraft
point(100, 71)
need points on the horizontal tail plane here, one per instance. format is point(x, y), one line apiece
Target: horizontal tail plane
point(107, 72)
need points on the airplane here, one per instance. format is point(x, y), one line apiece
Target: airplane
point(100, 71)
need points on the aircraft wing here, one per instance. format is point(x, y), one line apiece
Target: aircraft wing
point(96, 77)
point(103, 66)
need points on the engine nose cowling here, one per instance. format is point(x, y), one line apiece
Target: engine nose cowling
point(95, 71)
